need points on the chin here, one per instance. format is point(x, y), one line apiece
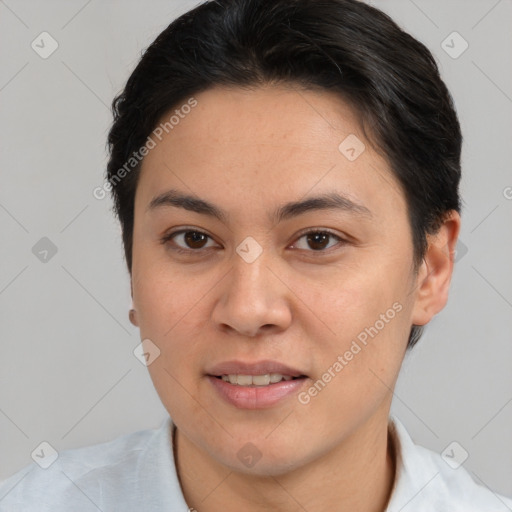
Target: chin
point(259, 459)
point(265, 467)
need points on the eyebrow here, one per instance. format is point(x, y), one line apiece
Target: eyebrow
point(328, 201)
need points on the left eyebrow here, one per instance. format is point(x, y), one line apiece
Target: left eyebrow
point(330, 201)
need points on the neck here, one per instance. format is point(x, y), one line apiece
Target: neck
point(356, 476)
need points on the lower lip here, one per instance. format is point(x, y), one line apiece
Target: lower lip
point(256, 397)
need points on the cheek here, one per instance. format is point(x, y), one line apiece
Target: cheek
point(354, 298)
point(162, 298)
point(169, 311)
point(368, 315)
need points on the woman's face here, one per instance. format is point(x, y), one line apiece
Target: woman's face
point(250, 292)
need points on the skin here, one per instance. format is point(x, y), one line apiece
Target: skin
point(248, 152)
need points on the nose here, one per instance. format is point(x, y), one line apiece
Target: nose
point(253, 299)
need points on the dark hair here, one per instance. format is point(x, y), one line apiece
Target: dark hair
point(345, 46)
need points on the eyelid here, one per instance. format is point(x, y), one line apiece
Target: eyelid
point(307, 231)
point(341, 240)
point(167, 237)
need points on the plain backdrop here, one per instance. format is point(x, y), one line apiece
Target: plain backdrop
point(68, 374)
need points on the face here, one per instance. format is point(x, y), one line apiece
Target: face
point(321, 294)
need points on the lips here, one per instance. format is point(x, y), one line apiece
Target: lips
point(256, 368)
point(256, 385)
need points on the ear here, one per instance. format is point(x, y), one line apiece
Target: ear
point(132, 314)
point(435, 273)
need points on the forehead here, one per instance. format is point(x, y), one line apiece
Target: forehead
point(267, 144)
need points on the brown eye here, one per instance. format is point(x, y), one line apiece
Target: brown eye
point(195, 239)
point(318, 240)
point(187, 240)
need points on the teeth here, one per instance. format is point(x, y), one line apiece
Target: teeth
point(276, 377)
point(243, 380)
point(255, 380)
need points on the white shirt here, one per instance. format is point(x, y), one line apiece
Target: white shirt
point(136, 472)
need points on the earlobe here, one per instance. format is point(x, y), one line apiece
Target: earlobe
point(133, 317)
point(435, 273)
point(132, 314)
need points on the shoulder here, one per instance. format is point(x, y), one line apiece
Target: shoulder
point(428, 481)
point(83, 478)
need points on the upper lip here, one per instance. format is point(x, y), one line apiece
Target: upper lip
point(255, 368)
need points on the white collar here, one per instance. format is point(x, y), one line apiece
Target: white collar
point(424, 482)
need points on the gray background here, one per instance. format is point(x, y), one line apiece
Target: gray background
point(67, 372)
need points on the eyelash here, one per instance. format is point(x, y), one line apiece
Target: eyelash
point(169, 236)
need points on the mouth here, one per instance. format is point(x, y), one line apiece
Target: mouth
point(258, 373)
point(256, 385)
point(263, 380)
point(256, 391)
